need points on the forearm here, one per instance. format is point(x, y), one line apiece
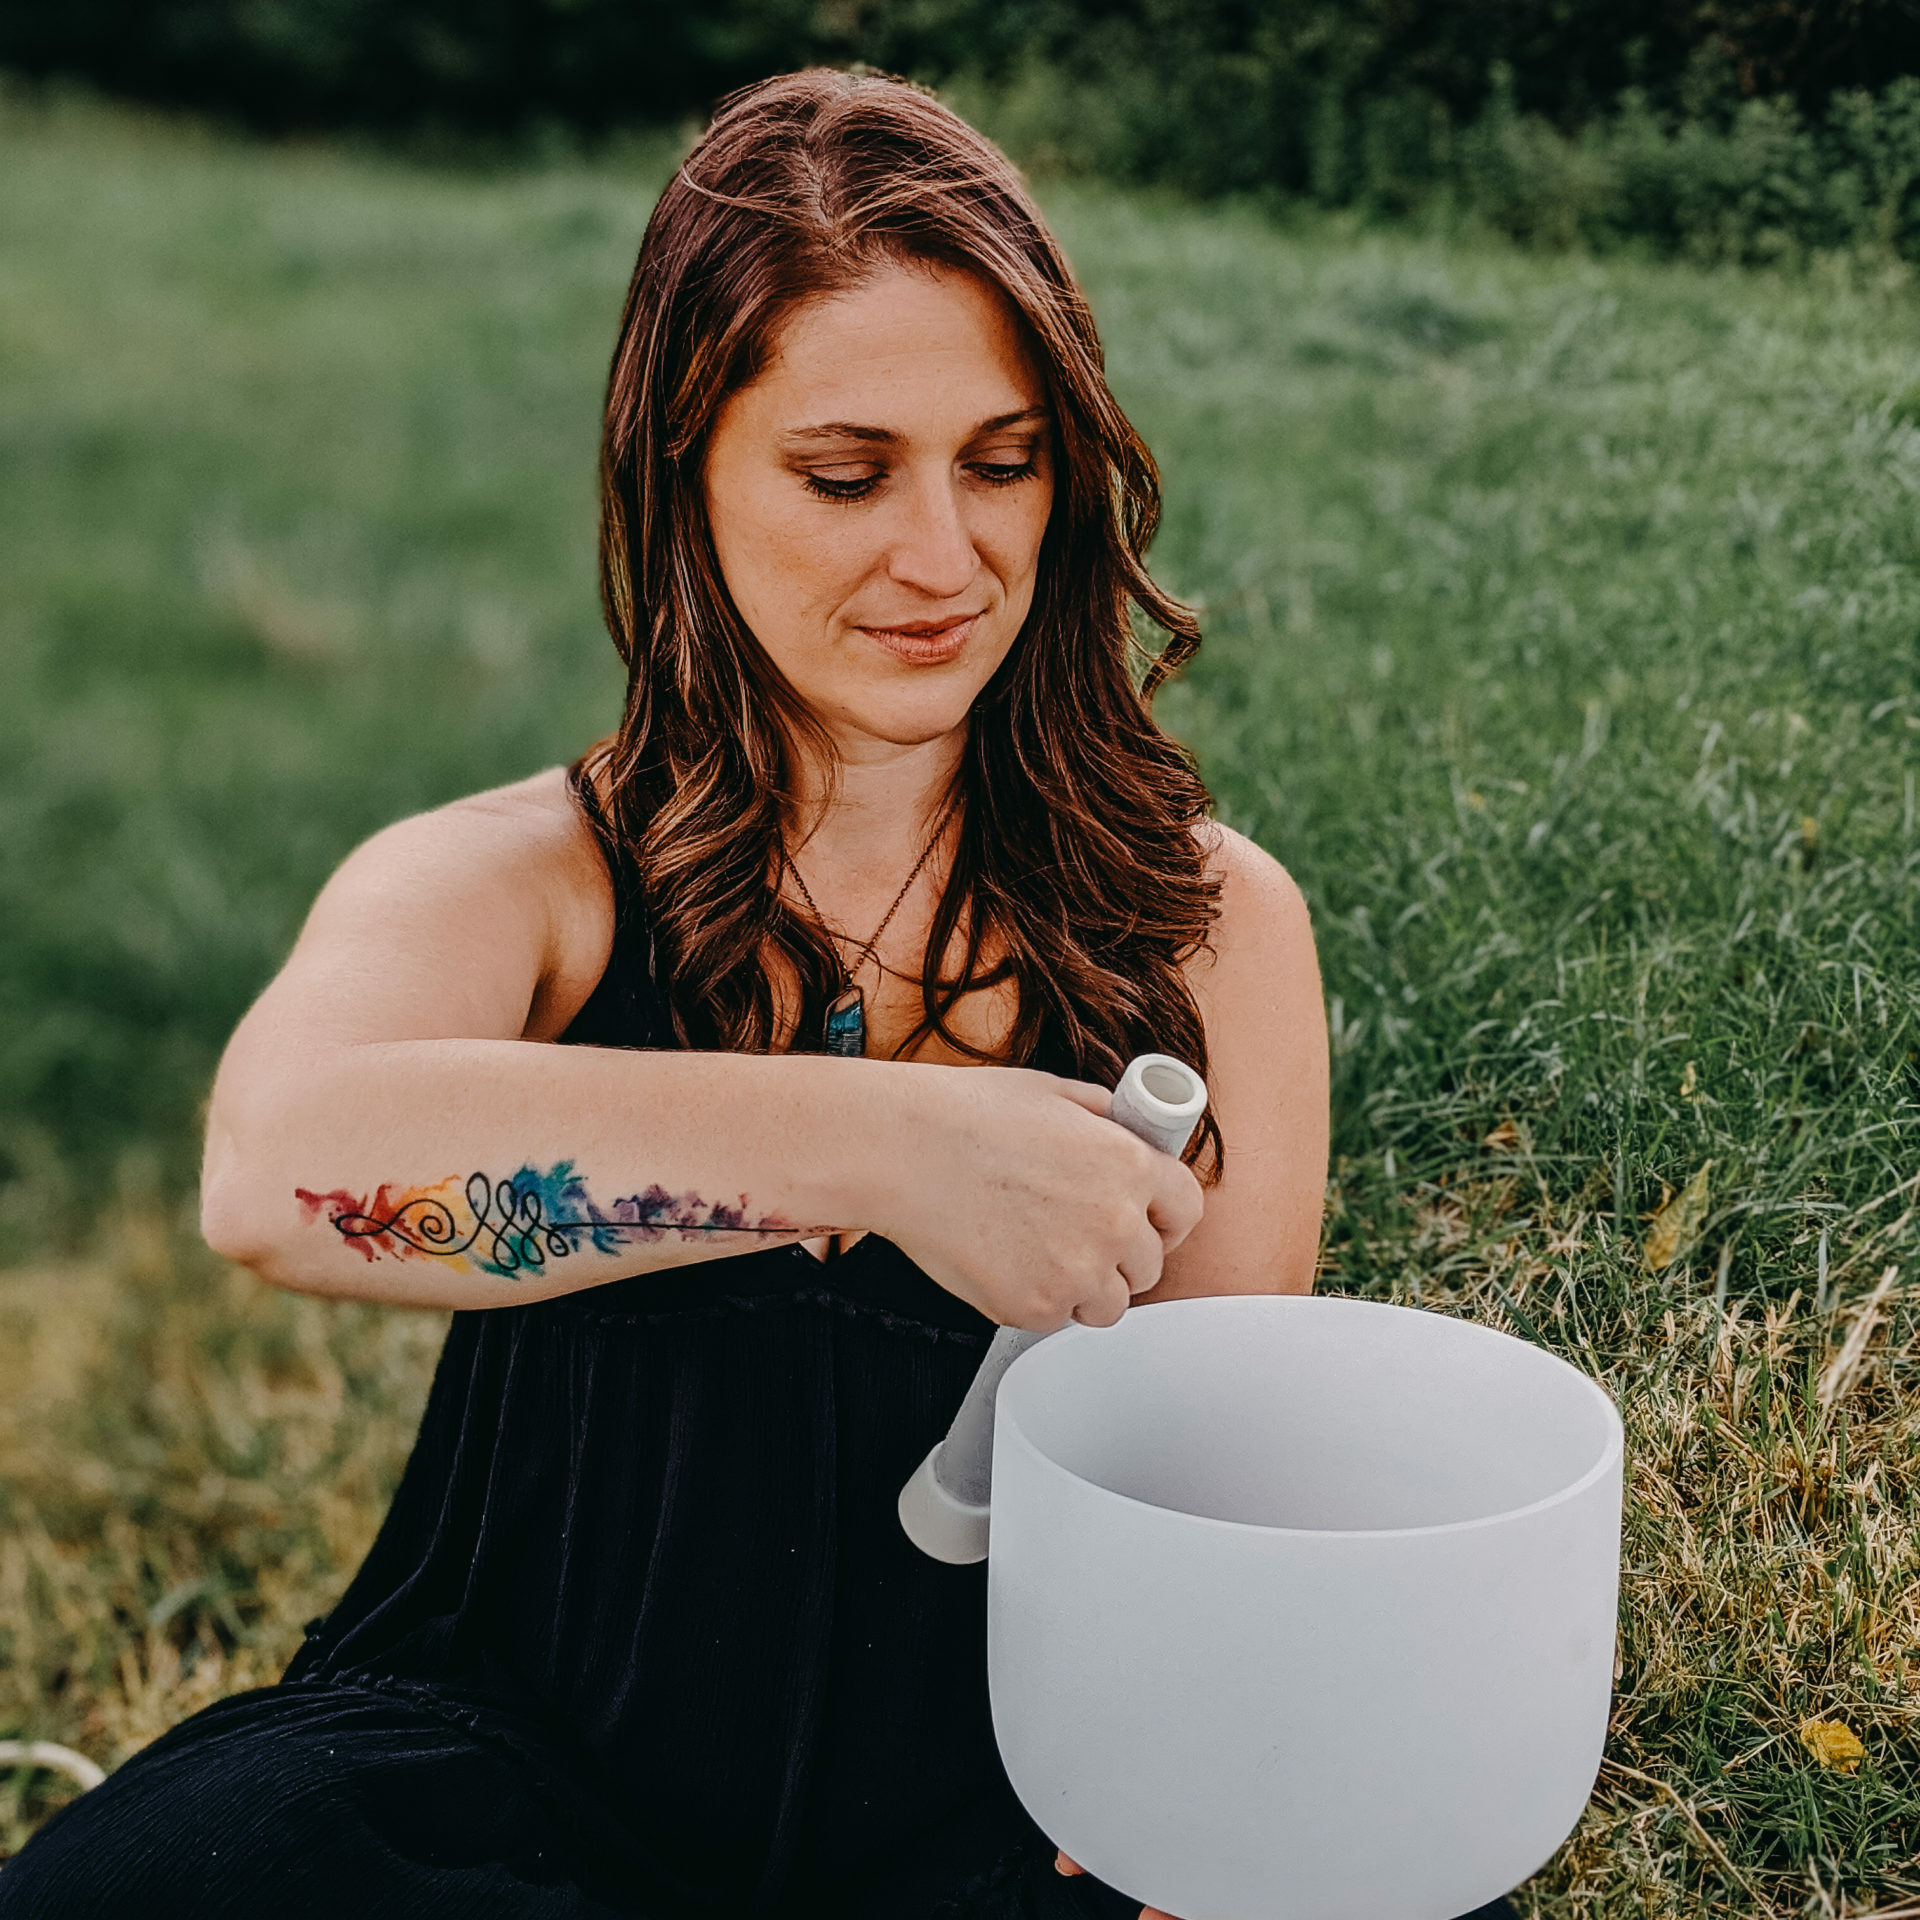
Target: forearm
point(476, 1173)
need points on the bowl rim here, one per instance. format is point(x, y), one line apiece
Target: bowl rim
point(1611, 1453)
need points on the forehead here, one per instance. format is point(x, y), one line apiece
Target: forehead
point(910, 346)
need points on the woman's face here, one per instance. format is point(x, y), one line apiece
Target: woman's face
point(878, 497)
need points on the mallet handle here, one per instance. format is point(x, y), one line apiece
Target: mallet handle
point(945, 1506)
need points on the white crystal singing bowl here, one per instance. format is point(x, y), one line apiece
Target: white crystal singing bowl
point(1302, 1609)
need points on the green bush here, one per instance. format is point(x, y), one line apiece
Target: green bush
point(1768, 185)
point(1720, 129)
point(1233, 90)
point(1760, 183)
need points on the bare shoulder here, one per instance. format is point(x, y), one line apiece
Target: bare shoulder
point(1263, 916)
point(496, 906)
point(532, 820)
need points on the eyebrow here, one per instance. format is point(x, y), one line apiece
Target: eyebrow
point(885, 436)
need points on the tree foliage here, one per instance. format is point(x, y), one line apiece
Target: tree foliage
point(1255, 76)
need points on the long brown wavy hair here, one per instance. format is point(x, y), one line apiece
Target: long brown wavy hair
point(1077, 857)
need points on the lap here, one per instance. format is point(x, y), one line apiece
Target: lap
point(310, 1802)
point(295, 1801)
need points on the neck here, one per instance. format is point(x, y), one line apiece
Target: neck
point(879, 810)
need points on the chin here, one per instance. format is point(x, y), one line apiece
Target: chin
point(907, 712)
point(913, 716)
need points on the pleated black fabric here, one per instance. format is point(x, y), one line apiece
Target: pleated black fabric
point(641, 1634)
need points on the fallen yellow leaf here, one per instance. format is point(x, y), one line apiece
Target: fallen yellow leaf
point(1677, 1225)
point(1833, 1743)
point(1504, 1138)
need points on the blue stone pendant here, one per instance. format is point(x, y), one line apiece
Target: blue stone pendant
point(846, 1032)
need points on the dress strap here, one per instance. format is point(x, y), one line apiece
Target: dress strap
point(627, 1007)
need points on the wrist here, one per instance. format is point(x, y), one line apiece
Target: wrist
point(873, 1127)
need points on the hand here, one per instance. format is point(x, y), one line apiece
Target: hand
point(1012, 1190)
point(1061, 1864)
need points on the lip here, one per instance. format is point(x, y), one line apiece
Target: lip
point(926, 643)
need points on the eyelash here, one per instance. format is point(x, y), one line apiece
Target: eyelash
point(995, 475)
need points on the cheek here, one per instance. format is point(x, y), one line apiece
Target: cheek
point(1013, 533)
point(781, 565)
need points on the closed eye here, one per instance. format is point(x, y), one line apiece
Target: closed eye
point(995, 473)
point(1001, 474)
point(828, 488)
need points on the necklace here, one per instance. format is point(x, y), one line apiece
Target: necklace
point(845, 1031)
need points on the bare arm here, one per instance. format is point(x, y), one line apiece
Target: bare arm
point(389, 1124)
point(1259, 995)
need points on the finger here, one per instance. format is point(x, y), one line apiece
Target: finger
point(1106, 1306)
point(1176, 1203)
point(1061, 1864)
point(1142, 1263)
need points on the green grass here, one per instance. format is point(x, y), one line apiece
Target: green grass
point(1562, 630)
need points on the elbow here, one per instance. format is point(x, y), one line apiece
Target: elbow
point(235, 1224)
point(221, 1229)
point(237, 1236)
point(248, 1199)
point(232, 1228)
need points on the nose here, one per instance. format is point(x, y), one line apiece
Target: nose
point(932, 550)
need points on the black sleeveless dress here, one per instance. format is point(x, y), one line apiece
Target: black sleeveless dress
point(641, 1634)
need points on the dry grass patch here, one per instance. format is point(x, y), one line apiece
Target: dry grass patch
point(191, 1466)
point(1771, 1569)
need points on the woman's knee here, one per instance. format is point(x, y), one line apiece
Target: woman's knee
point(244, 1809)
point(107, 1854)
point(294, 1801)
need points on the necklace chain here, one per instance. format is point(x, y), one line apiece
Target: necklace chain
point(867, 946)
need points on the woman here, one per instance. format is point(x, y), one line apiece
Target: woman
point(733, 1084)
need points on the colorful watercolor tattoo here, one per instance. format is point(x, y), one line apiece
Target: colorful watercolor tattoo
point(509, 1229)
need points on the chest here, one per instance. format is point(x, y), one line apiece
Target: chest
point(887, 1002)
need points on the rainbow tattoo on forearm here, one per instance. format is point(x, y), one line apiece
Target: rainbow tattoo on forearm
point(510, 1227)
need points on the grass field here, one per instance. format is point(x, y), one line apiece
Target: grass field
point(1562, 627)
